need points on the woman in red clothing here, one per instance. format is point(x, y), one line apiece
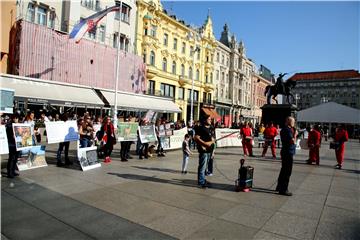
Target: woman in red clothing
point(108, 138)
point(314, 142)
point(341, 136)
point(246, 133)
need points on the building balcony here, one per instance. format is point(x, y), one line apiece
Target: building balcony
point(151, 71)
point(208, 87)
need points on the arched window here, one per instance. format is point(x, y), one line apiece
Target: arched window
point(197, 75)
point(152, 58)
point(182, 70)
point(164, 65)
point(190, 73)
point(174, 67)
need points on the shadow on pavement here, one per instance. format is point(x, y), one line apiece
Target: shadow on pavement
point(161, 169)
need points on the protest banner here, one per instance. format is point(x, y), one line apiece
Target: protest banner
point(175, 141)
point(150, 116)
point(162, 131)
point(7, 100)
point(147, 134)
point(31, 158)
point(127, 131)
point(88, 158)
point(61, 131)
point(4, 147)
point(22, 134)
point(233, 140)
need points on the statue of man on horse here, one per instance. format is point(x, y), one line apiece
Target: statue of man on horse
point(280, 87)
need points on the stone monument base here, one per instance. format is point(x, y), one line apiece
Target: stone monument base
point(277, 113)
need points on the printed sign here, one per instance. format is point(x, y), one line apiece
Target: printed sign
point(23, 137)
point(233, 140)
point(7, 100)
point(61, 131)
point(88, 158)
point(175, 141)
point(4, 147)
point(147, 134)
point(30, 158)
point(150, 116)
point(127, 131)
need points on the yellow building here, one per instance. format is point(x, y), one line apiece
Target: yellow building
point(8, 17)
point(169, 48)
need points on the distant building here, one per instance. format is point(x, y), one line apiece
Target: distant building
point(313, 88)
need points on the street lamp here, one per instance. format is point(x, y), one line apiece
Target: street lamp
point(197, 49)
point(297, 97)
point(117, 69)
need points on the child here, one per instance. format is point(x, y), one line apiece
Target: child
point(186, 153)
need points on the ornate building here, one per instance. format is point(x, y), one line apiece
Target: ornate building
point(259, 99)
point(176, 55)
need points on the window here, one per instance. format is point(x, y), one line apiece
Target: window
point(190, 73)
point(206, 78)
point(175, 44)
point(191, 51)
point(211, 77)
point(125, 13)
point(124, 42)
point(41, 16)
point(183, 49)
point(144, 57)
point(167, 90)
point(196, 95)
point(218, 57)
point(222, 77)
point(209, 97)
point(87, 3)
point(223, 59)
point(217, 75)
point(198, 54)
point(152, 58)
point(173, 68)
point(52, 17)
point(92, 33)
point(164, 65)
point(197, 75)
point(182, 70)
point(204, 97)
point(166, 39)
point(181, 93)
point(153, 31)
point(145, 31)
point(31, 13)
point(102, 33)
point(151, 89)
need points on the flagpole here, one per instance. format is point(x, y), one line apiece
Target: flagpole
point(117, 69)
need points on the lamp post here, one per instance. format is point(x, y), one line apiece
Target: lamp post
point(117, 69)
point(197, 49)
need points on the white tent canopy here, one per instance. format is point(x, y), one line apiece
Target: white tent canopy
point(330, 112)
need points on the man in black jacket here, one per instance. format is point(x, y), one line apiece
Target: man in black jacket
point(13, 154)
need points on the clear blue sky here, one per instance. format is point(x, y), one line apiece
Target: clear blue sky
point(284, 36)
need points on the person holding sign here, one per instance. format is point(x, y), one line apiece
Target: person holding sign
point(108, 138)
point(13, 154)
point(205, 142)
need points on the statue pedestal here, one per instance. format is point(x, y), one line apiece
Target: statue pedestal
point(277, 113)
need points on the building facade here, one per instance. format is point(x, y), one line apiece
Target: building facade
point(8, 18)
point(176, 56)
point(259, 99)
point(314, 88)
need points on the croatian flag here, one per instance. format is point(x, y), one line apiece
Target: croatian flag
point(89, 23)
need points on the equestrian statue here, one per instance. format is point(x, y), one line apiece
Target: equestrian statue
point(280, 87)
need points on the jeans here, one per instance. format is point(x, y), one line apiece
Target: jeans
point(85, 142)
point(210, 165)
point(63, 145)
point(185, 162)
point(203, 161)
point(285, 172)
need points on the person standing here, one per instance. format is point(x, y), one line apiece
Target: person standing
point(288, 139)
point(341, 136)
point(108, 138)
point(270, 133)
point(63, 145)
point(13, 154)
point(314, 142)
point(204, 141)
point(246, 133)
point(186, 153)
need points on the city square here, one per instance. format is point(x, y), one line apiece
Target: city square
point(149, 119)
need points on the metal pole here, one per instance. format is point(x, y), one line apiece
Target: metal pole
point(117, 69)
point(192, 88)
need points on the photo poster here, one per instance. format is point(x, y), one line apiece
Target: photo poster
point(4, 147)
point(59, 131)
point(7, 100)
point(233, 140)
point(162, 131)
point(23, 137)
point(176, 140)
point(127, 131)
point(147, 134)
point(88, 158)
point(165, 130)
point(31, 158)
point(150, 116)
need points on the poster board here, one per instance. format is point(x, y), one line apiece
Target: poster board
point(22, 134)
point(175, 141)
point(7, 100)
point(31, 158)
point(4, 147)
point(127, 131)
point(150, 116)
point(88, 158)
point(166, 130)
point(60, 131)
point(233, 140)
point(147, 134)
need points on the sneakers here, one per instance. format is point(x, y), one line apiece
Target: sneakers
point(107, 160)
point(286, 193)
point(337, 166)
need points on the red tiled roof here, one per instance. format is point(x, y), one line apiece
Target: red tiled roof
point(330, 75)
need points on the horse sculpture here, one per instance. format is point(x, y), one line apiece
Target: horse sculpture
point(274, 90)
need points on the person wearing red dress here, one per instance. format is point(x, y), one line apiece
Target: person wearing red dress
point(341, 136)
point(314, 142)
point(246, 133)
point(270, 133)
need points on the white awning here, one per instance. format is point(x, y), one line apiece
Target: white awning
point(131, 101)
point(43, 91)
